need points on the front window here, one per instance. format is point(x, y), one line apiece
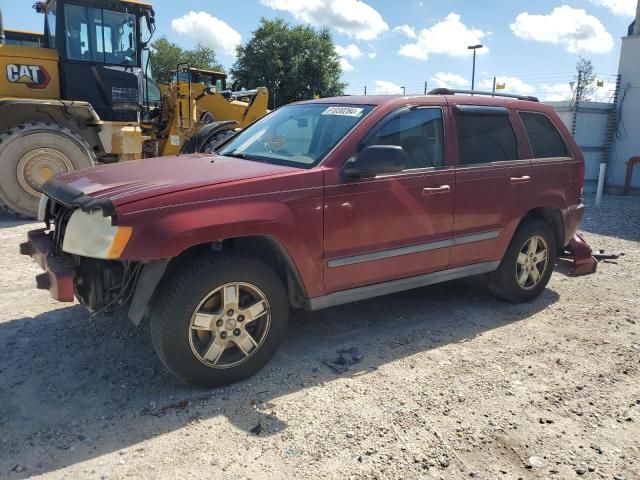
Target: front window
point(297, 135)
point(104, 36)
point(418, 130)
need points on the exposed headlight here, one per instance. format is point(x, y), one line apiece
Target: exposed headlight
point(92, 235)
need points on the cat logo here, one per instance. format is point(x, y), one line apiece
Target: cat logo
point(33, 76)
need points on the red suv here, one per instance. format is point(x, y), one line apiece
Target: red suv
point(317, 204)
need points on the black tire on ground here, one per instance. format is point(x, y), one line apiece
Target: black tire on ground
point(31, 153)
point(216, 140)
point(180, 296)
point(503, 282)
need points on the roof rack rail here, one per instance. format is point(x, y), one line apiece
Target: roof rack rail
point(447, 91)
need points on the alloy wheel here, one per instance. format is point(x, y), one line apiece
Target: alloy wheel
point(229, 325)
point(532, 262)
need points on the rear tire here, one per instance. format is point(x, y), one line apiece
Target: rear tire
point(527, 265)
point(200, 332)
point(32, 153)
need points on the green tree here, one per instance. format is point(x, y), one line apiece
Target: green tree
point(585, 79)
point(293, 62)
point(166, 55)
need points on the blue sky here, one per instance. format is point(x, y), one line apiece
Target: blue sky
point(530, 46)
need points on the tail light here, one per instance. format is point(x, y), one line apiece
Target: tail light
point(581, 178)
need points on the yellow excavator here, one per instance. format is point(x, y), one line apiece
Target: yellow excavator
point(81, 93)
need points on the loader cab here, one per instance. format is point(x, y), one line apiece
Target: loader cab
point(24, 39)
point(208, 78)
point(101, 44)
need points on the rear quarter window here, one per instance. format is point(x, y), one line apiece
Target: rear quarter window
point(545, 140)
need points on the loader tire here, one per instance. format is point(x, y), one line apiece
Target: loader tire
point(216, 140)
point(32, 153)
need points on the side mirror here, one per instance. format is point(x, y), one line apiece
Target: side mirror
point(377, 160)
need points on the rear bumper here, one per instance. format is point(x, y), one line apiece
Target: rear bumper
point(59, 272)
point(572, 217)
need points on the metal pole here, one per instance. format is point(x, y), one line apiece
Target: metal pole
point(425, 88)
point(494, 85)
point(603, 169)
point(365, 89)
point(473, 72)
point(403, 90)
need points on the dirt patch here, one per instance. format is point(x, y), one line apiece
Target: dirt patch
point(450, 383)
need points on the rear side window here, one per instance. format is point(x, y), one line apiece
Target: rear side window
point(484, 138)
point(545, 140)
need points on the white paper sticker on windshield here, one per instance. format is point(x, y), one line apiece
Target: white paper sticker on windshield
point(344, 111)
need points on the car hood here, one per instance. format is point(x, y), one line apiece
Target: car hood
point(134, 180)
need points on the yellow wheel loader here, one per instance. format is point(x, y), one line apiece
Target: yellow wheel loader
point(81, 94)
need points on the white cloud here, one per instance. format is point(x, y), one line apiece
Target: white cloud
point(387, 88)
point(208, 30)
point(351, 51)
point(512, 84)
point(449, 37)
point(372, 54)
point(555, 92)
point(406, 30)
point(570, 27)
point(353, 18)
point(624, 8)
point(446, 80)
point(345, 65)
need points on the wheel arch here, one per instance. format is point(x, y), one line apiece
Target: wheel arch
point(264, 247)
point(76, 116)
point(552, 216)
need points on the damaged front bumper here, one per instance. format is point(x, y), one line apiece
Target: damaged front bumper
point(59, 269)
point(579, 250)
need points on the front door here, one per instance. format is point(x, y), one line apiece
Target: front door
point(493, 184)
point(393, 226)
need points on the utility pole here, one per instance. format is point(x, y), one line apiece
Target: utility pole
point(425, 87)
point(365, 89)
point(473, 71)
point(403, 91)
point(494, 86)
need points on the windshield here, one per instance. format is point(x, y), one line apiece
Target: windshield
point(296, 135)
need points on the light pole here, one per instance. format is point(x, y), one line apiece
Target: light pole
point(473, 72)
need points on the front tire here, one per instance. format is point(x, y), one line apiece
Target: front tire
point(219, 319)
point(526, 268)
point(32, 153)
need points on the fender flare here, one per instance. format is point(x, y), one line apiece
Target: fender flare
point(200, 138)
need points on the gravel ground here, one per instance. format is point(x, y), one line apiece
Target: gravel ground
point(453, 384)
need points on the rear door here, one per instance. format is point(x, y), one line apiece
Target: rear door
point(493, 183)
point(393, 226)
point(555, 173)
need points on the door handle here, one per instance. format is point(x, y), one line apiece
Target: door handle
point(436, 190)
point(522, 179)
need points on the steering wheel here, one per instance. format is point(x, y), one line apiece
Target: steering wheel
point(265, 145)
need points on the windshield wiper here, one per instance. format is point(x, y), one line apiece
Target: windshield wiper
point(243, 156)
